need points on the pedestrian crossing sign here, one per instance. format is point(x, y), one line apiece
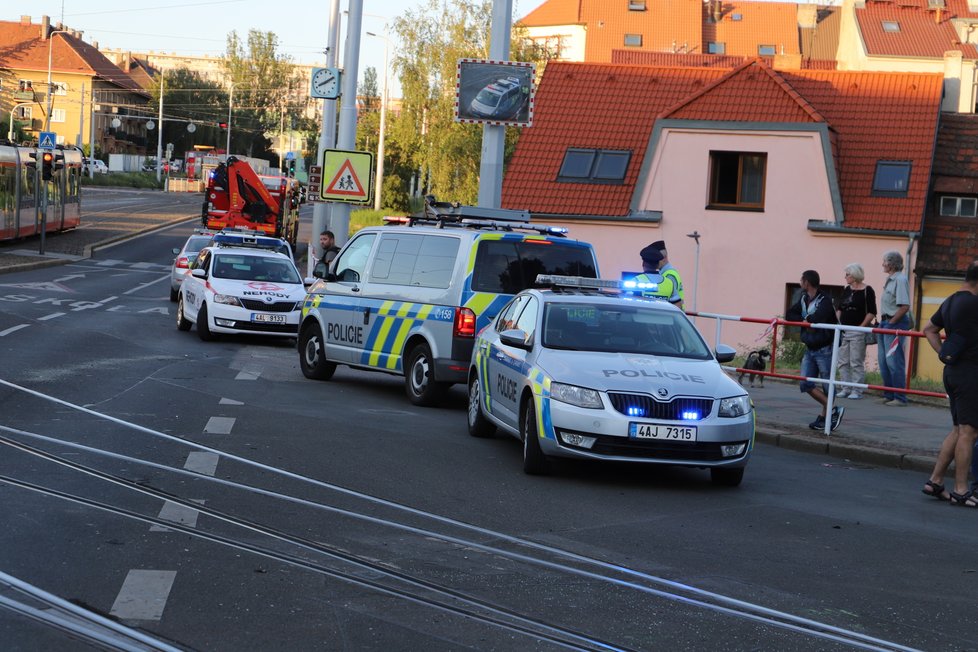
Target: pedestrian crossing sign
point(347, 176)
point(47, 140)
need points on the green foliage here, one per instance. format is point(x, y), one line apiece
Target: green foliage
point(124, 180)
point(189, 98)
point(365, 217)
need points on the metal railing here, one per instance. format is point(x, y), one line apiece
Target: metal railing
point(775, 323)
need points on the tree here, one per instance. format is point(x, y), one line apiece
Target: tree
point(188, 98)
point(265, 85)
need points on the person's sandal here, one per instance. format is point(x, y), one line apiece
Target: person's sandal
point(967, 499)
point(935, 490)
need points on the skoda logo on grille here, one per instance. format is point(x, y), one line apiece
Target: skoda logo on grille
point(663, 392)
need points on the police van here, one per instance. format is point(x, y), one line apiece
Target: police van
point(409, 299)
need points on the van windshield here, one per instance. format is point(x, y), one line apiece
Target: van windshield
point(510, 266)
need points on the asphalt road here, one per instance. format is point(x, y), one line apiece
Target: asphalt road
point(338, 516)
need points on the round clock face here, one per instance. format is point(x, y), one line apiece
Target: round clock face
point(325, 82)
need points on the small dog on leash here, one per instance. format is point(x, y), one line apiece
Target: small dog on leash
point(757, 361)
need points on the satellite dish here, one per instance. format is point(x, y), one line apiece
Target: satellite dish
point(191, 127)
point(151, 125)
point(116, 123)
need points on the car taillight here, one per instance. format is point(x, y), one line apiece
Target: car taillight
point(183, 262)
point(464, 323)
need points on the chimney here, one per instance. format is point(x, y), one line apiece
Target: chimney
point(937, 15)
point(25, 20)
point(807, 16)
point(45, 27)
point(716, 10)
point(95, 44)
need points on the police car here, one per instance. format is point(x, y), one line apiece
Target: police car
point(501, 99)
point(576, 371)
point(238, 289)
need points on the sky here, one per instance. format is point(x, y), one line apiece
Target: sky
point(201, 27)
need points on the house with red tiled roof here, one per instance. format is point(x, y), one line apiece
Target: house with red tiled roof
point(777, 171)
point(915, 36)
point(602, 31)
point(80, 75)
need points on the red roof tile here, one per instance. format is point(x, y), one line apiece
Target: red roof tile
point(922, 32)
point(646, 58)
point(868, 124)
point(21, 48)
point(554, 12)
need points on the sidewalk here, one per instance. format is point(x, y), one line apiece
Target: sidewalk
point(871, 433)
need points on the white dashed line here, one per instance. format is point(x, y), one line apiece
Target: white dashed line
point(109, 262)
point(247, 375)
point(230, 401)
point(146, 285)
point(51, 316)
point(219, 425)
point(143, 595)
point(13, 329)
point(177, 513)
point(201, 462)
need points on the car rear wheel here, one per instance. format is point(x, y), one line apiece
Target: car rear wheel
point(173, 295)
point(203, 328)
point(183, 324)
point(312, 355)
point(726, 477)
point(479, 426)
point(534, 461)
point(419, 378)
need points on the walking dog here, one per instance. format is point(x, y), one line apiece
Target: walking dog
point(756, 361)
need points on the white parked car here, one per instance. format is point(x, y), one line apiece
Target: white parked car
point(241, 290)
point(97, 165)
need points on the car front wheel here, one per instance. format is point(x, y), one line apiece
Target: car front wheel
point(479, 426)
point(534, 461)
point(312, 355)
point(203, 327)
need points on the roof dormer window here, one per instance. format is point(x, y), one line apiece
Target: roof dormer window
point(891, 26)
point(594, 166)
point(892, 179)
point(633, 40)
point(636, 5)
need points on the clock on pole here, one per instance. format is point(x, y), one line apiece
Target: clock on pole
point(325, 83)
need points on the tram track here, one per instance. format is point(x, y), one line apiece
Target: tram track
point(526, 551)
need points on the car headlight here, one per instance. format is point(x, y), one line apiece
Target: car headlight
point(226, 299)
point(579, 396)
point(735, 406)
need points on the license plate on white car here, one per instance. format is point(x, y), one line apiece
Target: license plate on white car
point(267, 319)
point(658, 431)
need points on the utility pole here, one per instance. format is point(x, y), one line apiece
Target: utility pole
point(81, 117)
point(383, 120)
point(494, 136)
point(159, 132)
point(91, 135)
point(327, 139)
point(339, 220)
point(230, 108)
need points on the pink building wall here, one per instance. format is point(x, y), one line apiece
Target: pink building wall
point(746, 258)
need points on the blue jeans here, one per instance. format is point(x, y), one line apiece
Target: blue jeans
point(893, 367)
point(815, 364)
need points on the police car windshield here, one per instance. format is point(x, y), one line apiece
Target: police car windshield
point(488, 97)
point(254, 268)
point(618, 328)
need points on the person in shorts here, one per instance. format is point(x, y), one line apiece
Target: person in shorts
point(958, 314)
point(814, 307)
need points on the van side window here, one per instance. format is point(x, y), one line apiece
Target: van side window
point(352, 262)
point(416, 260)
point(510, 266)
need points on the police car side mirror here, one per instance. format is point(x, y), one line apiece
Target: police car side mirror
point(515, 337)
point(320, 270)
point(725, 353)
point(199, 273)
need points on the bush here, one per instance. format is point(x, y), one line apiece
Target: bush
point(124, 180)
point(365, 217)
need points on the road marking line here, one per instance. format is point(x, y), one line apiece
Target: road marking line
point(146, 285)
point(109, 262)
point(230, 401)
point(177, 513)
point(143, 595)
point(13, 329)
point(51, 316)
point(219, 425)
point(201, 462)
point(247, 375)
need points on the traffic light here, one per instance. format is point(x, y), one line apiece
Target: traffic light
point(47, 165)
point(290, 166)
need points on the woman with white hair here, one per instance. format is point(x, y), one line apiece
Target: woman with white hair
point(895, 314)
point(857, 307)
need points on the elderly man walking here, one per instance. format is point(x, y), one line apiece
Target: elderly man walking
point(895, 314)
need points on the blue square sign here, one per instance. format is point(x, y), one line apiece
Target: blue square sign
point(47, 140)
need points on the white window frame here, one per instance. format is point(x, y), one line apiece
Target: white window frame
point(24, 113)
point(60, 88)
point(957, 206)
point(58, 115)
point(633, 38)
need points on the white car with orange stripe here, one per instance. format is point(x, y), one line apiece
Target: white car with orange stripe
point(242, 291)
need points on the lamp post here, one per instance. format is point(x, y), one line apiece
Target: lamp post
point(695, 235)
point(383, 122)
point(10, 129)
point(230, 108)
point(47, 118)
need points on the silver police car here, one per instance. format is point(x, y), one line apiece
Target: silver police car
point(576, 371)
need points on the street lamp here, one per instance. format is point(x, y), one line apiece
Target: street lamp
point(47, 118)
point(695, 235)
point(230, 107)
point(383, 122)
point(10, 130)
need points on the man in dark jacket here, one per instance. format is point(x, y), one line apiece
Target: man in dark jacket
point(816, 308)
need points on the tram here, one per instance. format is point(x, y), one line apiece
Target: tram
point(22, 199)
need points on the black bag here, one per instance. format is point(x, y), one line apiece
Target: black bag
point(954, 345)
point(952, 348)
point(871, 337)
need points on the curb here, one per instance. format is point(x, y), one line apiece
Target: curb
point(861, 453)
